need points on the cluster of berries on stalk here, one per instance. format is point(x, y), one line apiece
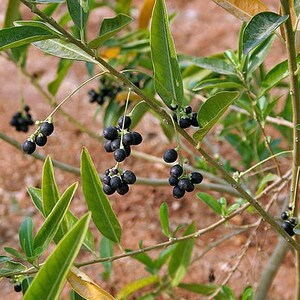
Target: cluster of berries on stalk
point(185, 117)
point(39, 137)
point(119, 140)
point(22, 120)
point(181, 181)
point(288, 223)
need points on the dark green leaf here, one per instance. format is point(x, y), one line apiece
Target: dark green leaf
point(14, 252)
point(106, 250)
point(102, 213)
point(168, 80)
point(260, 27)
point(12, 13)
point(47, 1)
point(25, 283)
point(79, 11)
point(212, 110)
point(63, 49)
point(11, 267)
point(164, 219)
point(50, 279)
point(38, 24)
point(75, 296)
point(202, 289)
point(54, 219)
point(146, 260)
point(164, 256)
point(63, 68)
point(26, 237)
point(218, 83)
point(248, 293)
point(19, 36)
point(211, 202)
point(181, 257)
point(109, 28)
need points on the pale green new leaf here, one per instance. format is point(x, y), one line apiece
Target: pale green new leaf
point(18, 36)
point(102, 212)
point(260, 27)
point(63, 49)
point(109, 28)
point(50, 279)
point(79, 12)
point(26, 237)
point(212, 110)
point(54, 219)
point(168, 80)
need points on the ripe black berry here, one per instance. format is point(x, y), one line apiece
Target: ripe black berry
point(123, 189)
point(107, 146)
point(194, 120)
point(178, 192)
point(106, 179)
point(129, 177)
point(170, 156)
point(41, 140)
point(288, 227)
point(137, 138)
point(173, 106)
point(108, 190)
point(29, 147)
point(127, 122)
point(184, 183)
point(21, 121)
point(127, 150)
point(46, 128)
point(284, 215)
point(93, 95)
point(185, 122)
point(173, 181)
point(26, 108)
point(176, 171)
point(128, 139)
point(190, 187)
point(188, 110)
point(115, 144)
point(17, 288)
point(120, 155)
point(175, 118)
point(196, 177)
point(110, 133)
point(115, 182)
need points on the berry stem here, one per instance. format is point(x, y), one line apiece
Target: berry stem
point(124, 118)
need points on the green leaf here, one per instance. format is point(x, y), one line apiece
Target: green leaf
point(260, 27)
point(211, 202)
point(106, 250)
point(4, 259)
point(146, 260)
point(50, 279)
point(216, 65)
point(164, 219)
point(25, 283)
point(11, 267)
point(26, 237)
point(18, 36)
point(181, 257)
point(12, 13)
point(263, 182)
point(14, 252)
point(38, 24)
point(296, 229)
point(47, 1)
point(164, 256)
point(63, 68)
point(102, 213)
point(248, 293)
point(79, 12)
point(212, 110)
point(297, 7)
point(136, 285)
point(217, 83)
point(36, 197)
point(109, 28)
point(54, 219)
point(63, 49)
point(202, 289)
point(168, 80)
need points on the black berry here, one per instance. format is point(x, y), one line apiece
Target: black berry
point(110, 133)
point(26, 108)
point(115, 182)
point(184, 183)
point(93, 95)
point(123, 189)
point(188, 110)
point(120, 155)
point(288, 227)
point(196, 177)
point(29, 147)
point(127, 122)
point(127, 150)
point(173, 181)
point(137, 138)
point(115, 144)
point(170, 156)
point(47, 128)
point(284, 215)
point(190, 187)
point(129, 177)
point(128, 139)
point(108, 190)
point(178, 192)
point(106, 179)
point(41, 140)
point(175, 118)
point(107, 146)
point(185, 122)
point(173, 106)
point(176, 171)
point(17, 288)
point(194, 120)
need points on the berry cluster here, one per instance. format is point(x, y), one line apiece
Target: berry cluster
point(40, 138)
point(182, 182)
point(288, 223)
point(119, 139)
point(185, 117)
point(116, 180)
point(22, 120)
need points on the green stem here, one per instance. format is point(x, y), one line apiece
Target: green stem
point(152, 103)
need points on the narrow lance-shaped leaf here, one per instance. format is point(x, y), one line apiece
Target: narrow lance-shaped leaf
point(164, 58)
point(18, 36)
point(212, 110)
point(211, 202)
point(79, 11)
point(50, 279)
point(109, 28)
point(202, 289)
point(106, 250)
point(102, 213)
point(260, 27)
point(54, 219)
point(26, 237)
point(12, 13)
point(181, 257)
point(38, 24)
point(217, 83)
point(164, 219)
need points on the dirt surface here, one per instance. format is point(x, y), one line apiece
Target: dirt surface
point(200, 28)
